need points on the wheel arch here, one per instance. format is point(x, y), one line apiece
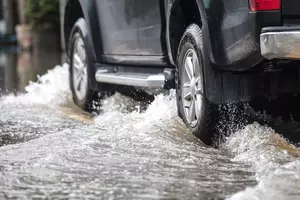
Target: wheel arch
point(76, 9)
point(181, 14)
point(221, 86)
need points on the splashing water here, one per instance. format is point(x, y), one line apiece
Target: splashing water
point(274, 160)
point(128, 154)
point(50, 89)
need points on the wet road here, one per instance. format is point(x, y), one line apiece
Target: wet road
point(51, 150)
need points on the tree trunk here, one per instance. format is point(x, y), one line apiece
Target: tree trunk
point(22, 12)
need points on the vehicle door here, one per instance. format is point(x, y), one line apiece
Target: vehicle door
point(151, 23)
point(118, 27)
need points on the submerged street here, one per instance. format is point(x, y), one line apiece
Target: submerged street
point(51, 150)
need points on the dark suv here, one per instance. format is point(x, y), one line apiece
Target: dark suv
point(212, 51)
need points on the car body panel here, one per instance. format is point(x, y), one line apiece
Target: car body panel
point(118, 26)
point(137, 32)
point(151, 22)
point(290, 8)
point(234, 33)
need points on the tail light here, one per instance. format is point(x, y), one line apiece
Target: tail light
point(263, 5)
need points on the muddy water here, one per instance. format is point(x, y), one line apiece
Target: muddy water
point(51, 150)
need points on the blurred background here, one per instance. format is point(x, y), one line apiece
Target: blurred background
point(30, 41)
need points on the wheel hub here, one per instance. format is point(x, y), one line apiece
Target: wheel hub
point(192, 87)
point(79, 69)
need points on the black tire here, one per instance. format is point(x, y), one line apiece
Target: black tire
point(90, 99)
point(204, 126)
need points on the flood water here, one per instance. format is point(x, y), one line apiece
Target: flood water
point(49, 149)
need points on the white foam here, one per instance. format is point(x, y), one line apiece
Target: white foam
point(50, 89)
point(275, 168)
point(161, 111)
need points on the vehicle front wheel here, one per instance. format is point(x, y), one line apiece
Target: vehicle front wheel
point(80, 61)
point(196, 111)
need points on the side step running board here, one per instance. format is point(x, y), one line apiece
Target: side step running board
point(137, 79)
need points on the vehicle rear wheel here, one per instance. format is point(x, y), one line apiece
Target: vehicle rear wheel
point(80, 61)
point(196, 111)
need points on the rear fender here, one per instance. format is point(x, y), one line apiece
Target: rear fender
point(221, 87)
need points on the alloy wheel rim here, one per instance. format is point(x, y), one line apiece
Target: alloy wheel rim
point(192, 87)
point(80, 76)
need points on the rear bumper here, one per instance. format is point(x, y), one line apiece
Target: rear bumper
point(280, 42)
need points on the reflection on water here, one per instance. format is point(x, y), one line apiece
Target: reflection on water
point(18, 68)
